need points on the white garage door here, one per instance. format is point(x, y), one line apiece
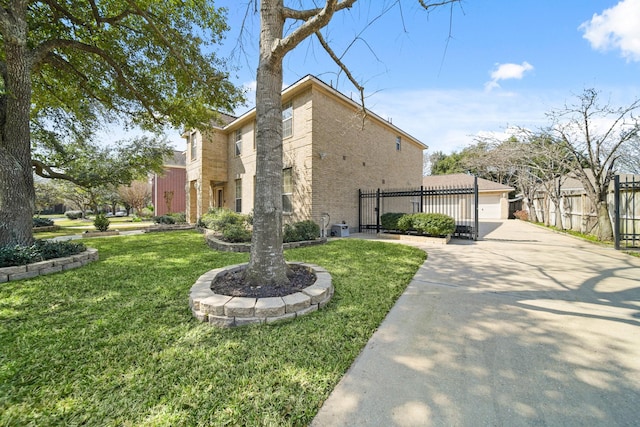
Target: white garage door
point(488, 206)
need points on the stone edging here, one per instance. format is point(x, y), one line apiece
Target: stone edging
point(434, 241)
point(219, 245)
point(226, 311)
point(28, 271)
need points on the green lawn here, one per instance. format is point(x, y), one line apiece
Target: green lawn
point(114, 343)
point(78, 226)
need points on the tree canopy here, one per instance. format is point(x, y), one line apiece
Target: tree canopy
point(69, 67)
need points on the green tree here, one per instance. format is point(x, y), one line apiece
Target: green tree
point(282, 29)
point(67, 67)
point(444, 164)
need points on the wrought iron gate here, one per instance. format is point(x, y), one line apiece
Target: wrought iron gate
point(627, 212)
point(461, 203)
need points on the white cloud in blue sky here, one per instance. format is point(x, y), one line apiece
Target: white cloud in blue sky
point(506, 72)
point(616, 28)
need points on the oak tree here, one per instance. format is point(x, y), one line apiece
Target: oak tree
point(66, 67)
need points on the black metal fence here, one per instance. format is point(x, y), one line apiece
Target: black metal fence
point(627, 212)
point(460, 203)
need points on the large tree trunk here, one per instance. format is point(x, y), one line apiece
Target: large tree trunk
point(267, 265)
point(17, 194)
point(605, 230)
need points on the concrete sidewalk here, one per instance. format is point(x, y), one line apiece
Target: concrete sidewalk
point(524, 327)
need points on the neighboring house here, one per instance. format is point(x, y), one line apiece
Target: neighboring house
point(330, 151)
point(493, 197)
point(168, 188)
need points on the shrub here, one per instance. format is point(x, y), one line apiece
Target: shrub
point(219, 218)
point(405, 223)
point(179, 218)
point(433, 224)
point(101, 222)
point(146, 213)
point(389, 220)
point(73, 214)
point(41, 250)
point(236, 233)
point(300, 231)
point(136, 219)
point(521, 215)
point(42, 222)
point(164, 219)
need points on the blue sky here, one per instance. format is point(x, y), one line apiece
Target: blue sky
point(455, 73)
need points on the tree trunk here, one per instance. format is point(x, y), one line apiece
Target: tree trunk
point(605, 230)
point(267, 265)
point(17, 193)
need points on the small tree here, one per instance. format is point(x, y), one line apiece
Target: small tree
point(137, 194)
point(595, 135)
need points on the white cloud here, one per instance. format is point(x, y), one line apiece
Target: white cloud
point(616, 28)
point(507, 72)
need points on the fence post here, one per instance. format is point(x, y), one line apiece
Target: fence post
point(359, 210)
point(476, 224)
point(616, 211)
point(422, 198)
point(378, 211)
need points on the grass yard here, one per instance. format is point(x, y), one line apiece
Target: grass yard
point(78, 226)
point(114, 343)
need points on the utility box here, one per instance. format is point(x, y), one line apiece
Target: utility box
point(339, 230)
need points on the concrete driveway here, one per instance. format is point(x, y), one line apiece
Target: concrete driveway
point(524, 327)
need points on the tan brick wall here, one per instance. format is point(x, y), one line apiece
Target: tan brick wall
point(208, 168)
point(330, 152)
point(348, 156)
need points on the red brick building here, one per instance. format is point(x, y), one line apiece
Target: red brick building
point(168, 188)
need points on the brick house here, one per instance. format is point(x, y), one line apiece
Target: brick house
point(329, 153)
point(168, 188)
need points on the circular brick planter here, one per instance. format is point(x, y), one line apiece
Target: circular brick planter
point(226, 311)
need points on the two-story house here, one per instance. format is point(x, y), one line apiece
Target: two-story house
point(330, 148)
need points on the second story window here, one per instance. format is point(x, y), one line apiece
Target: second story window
point(398, 143)
point(238, 142)
point(287, 120)
point(193, 142)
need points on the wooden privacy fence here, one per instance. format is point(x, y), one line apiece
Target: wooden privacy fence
point(460, 203)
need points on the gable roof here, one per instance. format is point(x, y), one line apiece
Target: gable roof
point(312, 81)
point(463, 180)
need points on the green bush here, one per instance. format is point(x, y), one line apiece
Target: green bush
point(146, 212)
point(218, 219)
point(73, 214)
point(101, 222)
point(389, 220)
point(433, 224)
point(300, 231)
point(179, 218)
point(164, 219)
point(405, 223)
point(42, 222)
point(41, 250)
point(136, 219)
point(231, 226)
point(236, 233)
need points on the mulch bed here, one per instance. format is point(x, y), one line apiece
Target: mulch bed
point(232, 284)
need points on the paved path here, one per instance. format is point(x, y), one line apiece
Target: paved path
point(525, 327)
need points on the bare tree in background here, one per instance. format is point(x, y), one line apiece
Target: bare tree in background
point(595, 135)
point(137, 195)
point(267, 265)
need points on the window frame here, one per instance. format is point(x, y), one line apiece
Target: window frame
point(287, 120)
point(238, 142)
point(287, 195)
point(398, 143)
point(238, 196)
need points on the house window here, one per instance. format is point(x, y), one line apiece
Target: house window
point(238, 195)
point(287, 190)
point(398, 143)
point(238, 142)
point(255, 131)
point(194, 146)
point(287, 120)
